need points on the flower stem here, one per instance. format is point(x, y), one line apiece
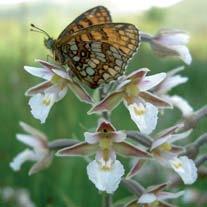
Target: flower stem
point(106, 200)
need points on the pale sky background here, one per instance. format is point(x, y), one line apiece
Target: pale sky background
point(116, 6)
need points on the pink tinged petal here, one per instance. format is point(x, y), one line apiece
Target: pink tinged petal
point(34, 132)
point(122, 84)
point(40, 105)
point(183, 53)
point(157, 143)
point(105, 179)
point(48, 65)
point(40, 88)
point(155, 100)
point(42, 163)
point(182, 105)
point(185, 168)
point(151, 81)
point(109, 103)
point(168, 195)
point(145, 117)
point(127, 149)
point(156, 188)
point(118, 136)
point(147, 198)
point(26, 155)
point(170, 130)
point(180, 136)
point(80, 149)
point(31, 141)
point(61, 73)
point(80, 93)
point(135, 169)
point(92, 138)
point(170, 138)
point(172, 37)
point(57, 91)
point(44, 73)
point(171, 82)
point(138, 74)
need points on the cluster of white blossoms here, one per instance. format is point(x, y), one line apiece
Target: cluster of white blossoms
point(143, 95)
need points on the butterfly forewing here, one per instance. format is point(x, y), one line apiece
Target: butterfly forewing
point(100, 53)
point(94, 16)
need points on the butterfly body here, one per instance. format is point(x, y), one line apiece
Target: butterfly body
point(95, 49)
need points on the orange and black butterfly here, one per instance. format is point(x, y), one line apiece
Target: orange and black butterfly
point(95, 49)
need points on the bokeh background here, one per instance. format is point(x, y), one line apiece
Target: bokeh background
point(65, 183)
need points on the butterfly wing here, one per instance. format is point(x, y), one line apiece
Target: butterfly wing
point(96, 15)
point(96, 62)
point(100, 53)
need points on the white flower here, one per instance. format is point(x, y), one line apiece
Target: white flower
point(105, 179)
point(44, 95)
point(185, 168)
point(172, 43)
point(141, 103)
point(145, 116)
point(160, 196)
point(39, 152)
point(172, 80)
point(182, 105)
point(105, 171)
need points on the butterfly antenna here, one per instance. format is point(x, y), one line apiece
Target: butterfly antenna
point(37, 29)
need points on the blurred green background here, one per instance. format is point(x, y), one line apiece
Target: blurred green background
point(65, 183)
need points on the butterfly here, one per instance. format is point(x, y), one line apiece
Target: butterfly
point(95, 49)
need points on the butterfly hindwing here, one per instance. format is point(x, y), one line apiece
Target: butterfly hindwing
point(100, 53)
point(94, 16)
point(95, 62)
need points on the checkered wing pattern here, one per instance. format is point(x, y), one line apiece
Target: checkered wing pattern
point(100, 53)
point(94, 16)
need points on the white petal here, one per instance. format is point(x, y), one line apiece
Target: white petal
point(30, 140)
point(44, 73)
point(182, 105)
point(175, 38)
point(40, 105)
point(23, 157)
point(170, 139)
point(145, 117)
point(183, 52)
point(185, 168)
point(34, 132)
point(58, 92)
point(105, 179)
point(147, 198)
point(149, 82)
point(91, 138)
point(171, 82)
point(168, 195)
point(63, 74)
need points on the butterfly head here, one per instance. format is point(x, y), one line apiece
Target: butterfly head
point(49, 41)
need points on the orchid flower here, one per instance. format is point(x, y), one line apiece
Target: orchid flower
point(172, 80)
point(170, 43)
point(142, 104)
point(155, 196)
point(168, 155)
point(105, 171)
point(40, 153)
point(45, 94)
